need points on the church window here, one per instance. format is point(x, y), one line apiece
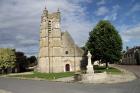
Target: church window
point(66, 52)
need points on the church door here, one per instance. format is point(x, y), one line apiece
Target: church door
point(67, 67)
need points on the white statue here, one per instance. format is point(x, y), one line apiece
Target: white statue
point(89, 66)
point(90, 76)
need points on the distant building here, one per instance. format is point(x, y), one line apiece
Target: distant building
point(131, 56)
point(58, 52)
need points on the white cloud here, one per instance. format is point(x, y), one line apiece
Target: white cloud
point(135, 8)
point(116, 8)
point(89, 1)
point(113, 13)
point(133, 32)
point(112, 17)
point(102, 11)
point(8, 45)
point(101, 2)
point(130, 32)
point(20, 20)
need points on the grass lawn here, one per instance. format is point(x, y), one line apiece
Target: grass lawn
point(110, 70)
point(48, 76)
point(51, 76)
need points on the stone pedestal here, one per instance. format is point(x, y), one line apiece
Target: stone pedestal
point(90, 71)
point(90, 77)
point(89, 66)
point(94, 78)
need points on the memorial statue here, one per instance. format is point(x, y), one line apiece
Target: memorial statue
point(89, 66)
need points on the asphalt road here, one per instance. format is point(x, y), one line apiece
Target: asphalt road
point(133, 68)
point(32, 86)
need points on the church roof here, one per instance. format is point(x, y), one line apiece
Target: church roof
point(69, 42)
point(67, 38)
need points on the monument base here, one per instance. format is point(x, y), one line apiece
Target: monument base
point(90, 70)
point(94, 77)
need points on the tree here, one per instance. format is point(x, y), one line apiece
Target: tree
point(32, 61)
point(21, 62)
point(7, 58)
point(84, 60)
point(105, 43)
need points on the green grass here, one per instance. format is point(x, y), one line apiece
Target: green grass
point(110, 70)
point(51, 76)
point(48, 76)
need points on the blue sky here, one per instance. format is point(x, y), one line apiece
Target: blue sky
point(20, 20)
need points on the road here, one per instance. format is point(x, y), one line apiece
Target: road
point(133, 68)
point(32, 86)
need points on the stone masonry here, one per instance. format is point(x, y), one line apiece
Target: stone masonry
point(58, 52)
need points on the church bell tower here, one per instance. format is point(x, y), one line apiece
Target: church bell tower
point(50, 41)
point(43, 49)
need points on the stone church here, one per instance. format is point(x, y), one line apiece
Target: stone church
point(57, 52)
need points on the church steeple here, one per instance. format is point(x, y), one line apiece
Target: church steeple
point(45, 11)
point(45, 4)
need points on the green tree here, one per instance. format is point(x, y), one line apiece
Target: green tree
point(32, 61)
point(105, 43)
point(7, 58)
point(21, 62)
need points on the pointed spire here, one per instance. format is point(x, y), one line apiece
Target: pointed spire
point(45, 4)
point(58, 14)
point(45, 11)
